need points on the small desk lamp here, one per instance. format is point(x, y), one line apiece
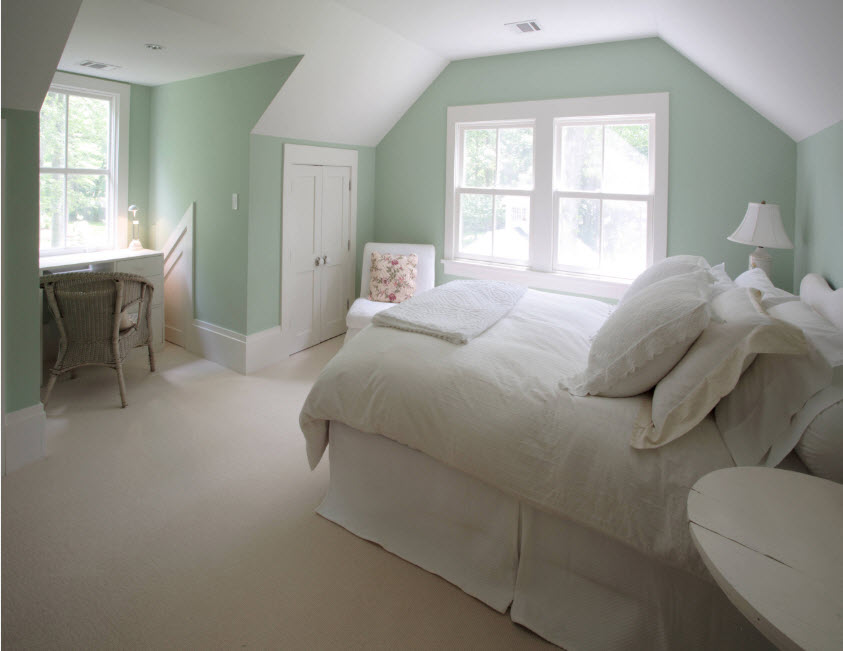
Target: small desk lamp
point(135, 244)
point(762, 227)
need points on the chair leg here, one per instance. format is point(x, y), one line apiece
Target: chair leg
point(151, 358)
point(122, 384)
point(50, 384)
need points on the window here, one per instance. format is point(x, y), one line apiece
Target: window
point(83, 162)
point(493, 196)
point(559, 194)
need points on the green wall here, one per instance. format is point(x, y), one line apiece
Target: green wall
point(21, 307)
point(819, 206)
point(200, 151)
point(722, 153)
point(264, 278)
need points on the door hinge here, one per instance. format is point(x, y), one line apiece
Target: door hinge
point(349, 185)
point(347, 304)
point(349, 245)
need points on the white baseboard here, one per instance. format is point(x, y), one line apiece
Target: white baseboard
point(23, 437)
point(220, 345)
point(264, 348)
point(241, 353)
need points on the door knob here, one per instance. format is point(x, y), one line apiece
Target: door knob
point(318, 260)
point(324, 259)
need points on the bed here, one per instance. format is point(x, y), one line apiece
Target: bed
point(470, 462)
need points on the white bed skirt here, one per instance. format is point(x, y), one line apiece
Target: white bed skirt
point(573, 586)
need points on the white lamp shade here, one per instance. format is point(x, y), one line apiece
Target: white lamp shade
point(762, 226)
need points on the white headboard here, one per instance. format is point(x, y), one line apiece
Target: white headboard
point(816, 292)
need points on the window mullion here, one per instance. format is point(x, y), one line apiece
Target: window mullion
point(66, 128)
point(541, 203)
point(62, 235)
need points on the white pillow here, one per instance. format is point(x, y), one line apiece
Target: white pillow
point(770, 294)
point(756, 415)
point(713, 365)
point(644, 337)
point(722, 281)
point(827, 338)
point(672, 266)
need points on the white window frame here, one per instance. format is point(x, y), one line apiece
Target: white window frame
point(118, 155)
point(544, 113)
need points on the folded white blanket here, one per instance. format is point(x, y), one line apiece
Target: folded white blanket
point(457, 311)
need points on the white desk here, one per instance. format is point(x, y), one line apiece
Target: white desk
point(144, 262)
point(773, 541)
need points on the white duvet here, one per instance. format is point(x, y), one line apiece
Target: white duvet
point(492, 409)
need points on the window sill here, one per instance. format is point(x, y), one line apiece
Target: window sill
point(553, 280)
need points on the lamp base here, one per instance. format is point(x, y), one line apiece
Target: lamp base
point(760, 259)
point(135, 245)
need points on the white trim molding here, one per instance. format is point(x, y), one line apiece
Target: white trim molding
point(23, 437)
point(244, 354)
point(220, 345)
point(178, 269)
point(265, 348)
point(544, 118)
point(553, 280)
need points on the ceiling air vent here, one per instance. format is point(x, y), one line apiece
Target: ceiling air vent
point(523, 26)
point(96, 65)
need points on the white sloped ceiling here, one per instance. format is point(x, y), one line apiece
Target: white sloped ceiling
point(355, 80)
point(353, 84)
point(34, 33)
point(365, 61)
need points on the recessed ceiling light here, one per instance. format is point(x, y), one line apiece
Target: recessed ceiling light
point(523, 26)
point(153, 46)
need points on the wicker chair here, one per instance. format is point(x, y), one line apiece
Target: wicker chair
point(100, 317)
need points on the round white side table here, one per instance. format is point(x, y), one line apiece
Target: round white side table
point(773, 541)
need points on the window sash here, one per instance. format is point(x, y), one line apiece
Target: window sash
point(604, 121)
point(467, 255)
point(493, 191)
point(478, 126)
point(599, 196)
point(112, 182)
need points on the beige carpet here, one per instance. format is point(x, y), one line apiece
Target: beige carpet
point(187, 521)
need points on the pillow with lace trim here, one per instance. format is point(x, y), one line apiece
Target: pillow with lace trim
point(644, 338)
point(740, 330)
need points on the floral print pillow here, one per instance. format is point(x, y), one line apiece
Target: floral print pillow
point(393, 277)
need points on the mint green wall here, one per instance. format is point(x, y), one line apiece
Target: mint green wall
point(819, 206)
point(199, 151)
point(21, 324)
point(139, 158)
point(722, 153)
point(264, 278)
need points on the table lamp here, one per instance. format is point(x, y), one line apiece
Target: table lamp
point(762, 227)
point(135, 244)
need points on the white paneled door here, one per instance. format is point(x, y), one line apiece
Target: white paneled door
point(317, 245)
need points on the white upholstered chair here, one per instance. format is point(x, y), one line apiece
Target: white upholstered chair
point(362, 310)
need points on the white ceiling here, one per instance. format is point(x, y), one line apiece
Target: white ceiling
point(116, 32)
point(782, 57)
